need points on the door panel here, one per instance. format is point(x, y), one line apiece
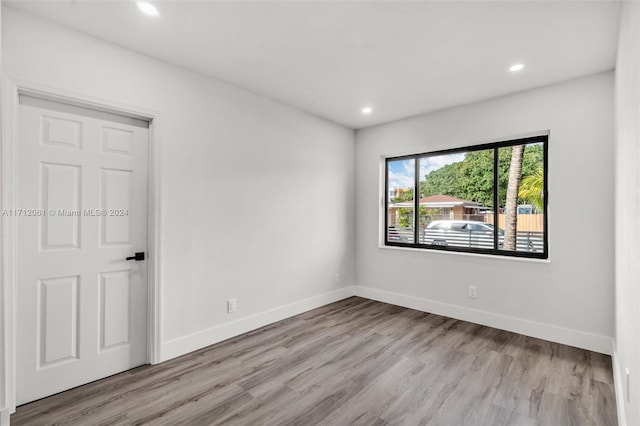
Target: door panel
point(58, 320)
point(61, 132)
point(60, 191)
point(116, 196)
point(115, 288)
point(82, 188)
point(117, 141)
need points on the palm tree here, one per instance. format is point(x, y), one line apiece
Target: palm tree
point(532, 188)
point(511, 218)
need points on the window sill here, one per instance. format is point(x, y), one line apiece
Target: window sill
point(458, 253)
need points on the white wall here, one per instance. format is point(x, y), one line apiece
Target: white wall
point(257, 197)
point(4, 401)
point(570, 298)
point(627, 202)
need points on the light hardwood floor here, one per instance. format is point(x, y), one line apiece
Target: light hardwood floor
point(354, 362)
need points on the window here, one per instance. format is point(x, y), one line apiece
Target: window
point(489, 199)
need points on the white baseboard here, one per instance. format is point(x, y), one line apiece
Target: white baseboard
point(567, 336)
point(201, 339)
point(619, 383)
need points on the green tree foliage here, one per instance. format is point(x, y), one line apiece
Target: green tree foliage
point(472, 178)
point(407, 195)
point(405, 216)
point(532, 188)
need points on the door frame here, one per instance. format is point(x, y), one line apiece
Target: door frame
point(11, 89)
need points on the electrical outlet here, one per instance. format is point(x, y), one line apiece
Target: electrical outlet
point(232, 305)
point(336, 278)
point(473, 292)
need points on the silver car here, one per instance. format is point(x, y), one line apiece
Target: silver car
point(461, 233)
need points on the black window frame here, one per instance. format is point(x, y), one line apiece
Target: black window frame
point(495, 146)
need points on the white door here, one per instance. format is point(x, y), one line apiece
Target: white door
point(81, 210)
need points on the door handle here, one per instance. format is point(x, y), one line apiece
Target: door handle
point(138, 256)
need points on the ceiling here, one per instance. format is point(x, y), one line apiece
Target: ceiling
point(332, 58)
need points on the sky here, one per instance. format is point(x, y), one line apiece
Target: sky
point(402, 172)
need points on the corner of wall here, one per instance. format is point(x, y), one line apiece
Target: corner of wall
point(552, 333)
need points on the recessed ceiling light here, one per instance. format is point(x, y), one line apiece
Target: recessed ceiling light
point(147, 8)
point(516, 67)
point(367, 110)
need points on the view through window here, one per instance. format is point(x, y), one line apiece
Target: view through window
point(487, 199)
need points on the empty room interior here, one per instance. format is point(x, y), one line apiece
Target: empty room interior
point(320, 212)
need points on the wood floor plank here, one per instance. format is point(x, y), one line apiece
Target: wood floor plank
point(354, 362)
